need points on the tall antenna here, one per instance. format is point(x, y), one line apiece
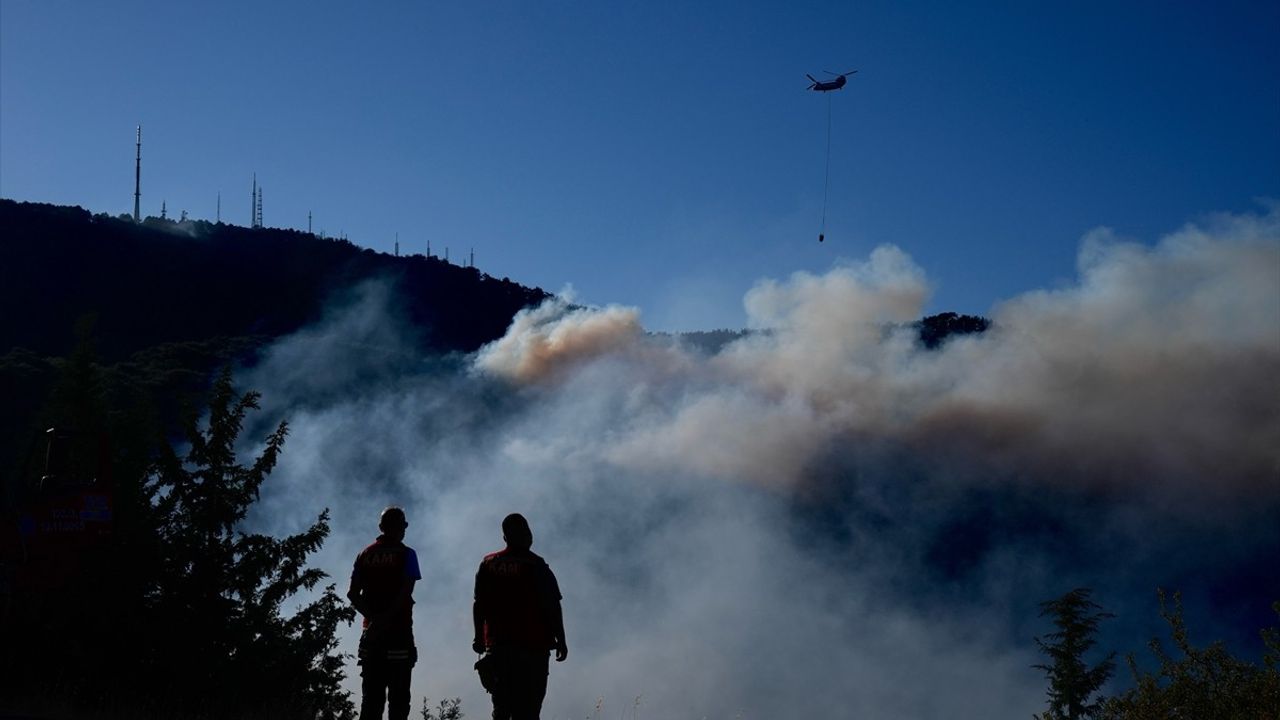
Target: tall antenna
point(253, 203)
point(428, 247)
point(397, 244)
point(309, 223)
point(137, 181)
point(163, 213)
point(219, 216)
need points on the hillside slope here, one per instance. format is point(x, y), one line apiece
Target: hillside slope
point(163, 281)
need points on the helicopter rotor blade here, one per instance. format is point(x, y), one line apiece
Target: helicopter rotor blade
point(812, 78)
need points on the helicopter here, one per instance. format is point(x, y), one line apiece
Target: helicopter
point(822, 87)
point(828, 85)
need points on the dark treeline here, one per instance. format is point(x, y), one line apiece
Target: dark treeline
point(934, 330)
point(164, 281)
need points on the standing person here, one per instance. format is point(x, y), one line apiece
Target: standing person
point(382, 591)
point(518, 622)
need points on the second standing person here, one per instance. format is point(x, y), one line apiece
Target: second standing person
point(518, 621)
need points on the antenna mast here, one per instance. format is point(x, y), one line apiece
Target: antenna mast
point(137, 181)
point(253, 203)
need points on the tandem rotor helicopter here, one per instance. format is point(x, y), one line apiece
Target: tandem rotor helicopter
point(829, 85)
point(824, 86)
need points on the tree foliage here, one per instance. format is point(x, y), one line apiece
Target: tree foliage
point(1200, 682)
point(935, 330)
point(225, 588)
point(177, 612)
point(57, 263)
point(448, 709)
point(1071, 681)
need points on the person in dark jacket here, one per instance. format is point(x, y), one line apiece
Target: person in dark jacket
point(518, 622)
point(382, 591)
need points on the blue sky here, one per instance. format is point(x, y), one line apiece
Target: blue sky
point(664, 155)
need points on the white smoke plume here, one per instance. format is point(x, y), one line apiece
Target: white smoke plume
point(1159, 367)
point(788, 527)
point(554, 335)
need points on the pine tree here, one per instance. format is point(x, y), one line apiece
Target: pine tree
point(1071, 681)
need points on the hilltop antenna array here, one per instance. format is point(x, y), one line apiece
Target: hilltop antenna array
point(137, 181)
point(255, 204)
point(397, 244)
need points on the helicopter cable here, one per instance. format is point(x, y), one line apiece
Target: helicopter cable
point(826, 179)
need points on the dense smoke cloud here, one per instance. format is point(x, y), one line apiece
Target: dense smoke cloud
point(554, 335)
point(1146, 372)
point(821, 519)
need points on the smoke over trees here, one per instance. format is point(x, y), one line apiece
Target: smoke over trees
point(825, 516)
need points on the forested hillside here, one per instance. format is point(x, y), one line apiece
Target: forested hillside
point(163, 281)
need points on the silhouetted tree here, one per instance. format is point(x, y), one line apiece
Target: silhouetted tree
point(174, 612)
point(446, 710)
point(1202, 683)
point(1071, 681)
point(219, 590)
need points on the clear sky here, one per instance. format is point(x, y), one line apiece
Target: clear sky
point(664, 155)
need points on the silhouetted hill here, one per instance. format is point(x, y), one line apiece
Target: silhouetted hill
point(163, 281)
point(934, 330)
